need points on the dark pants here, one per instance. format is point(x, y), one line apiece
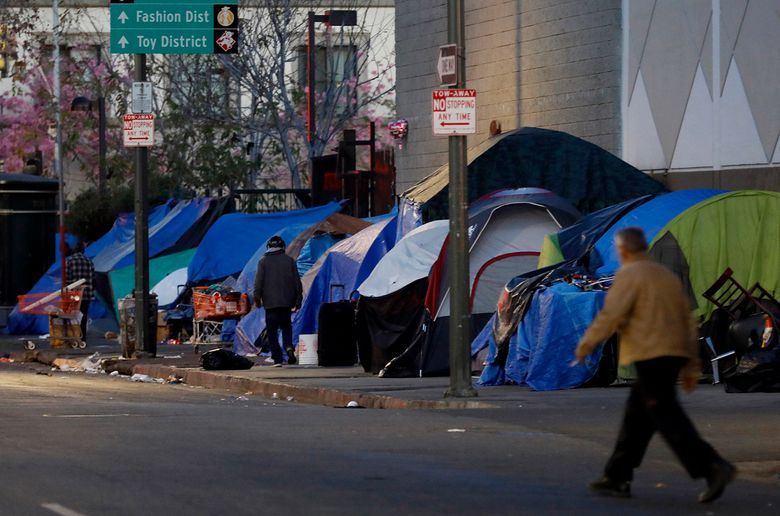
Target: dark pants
point(653, 406)
point(278, 319)
point(84, 317)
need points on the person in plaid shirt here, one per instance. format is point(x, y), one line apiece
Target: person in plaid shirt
point(77, 267)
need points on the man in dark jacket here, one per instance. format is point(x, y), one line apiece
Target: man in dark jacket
point(78, 267)
point(278, 289)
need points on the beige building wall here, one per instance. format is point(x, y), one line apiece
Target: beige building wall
point(546, 63)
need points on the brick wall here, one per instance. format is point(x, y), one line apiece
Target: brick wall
point(546, 63)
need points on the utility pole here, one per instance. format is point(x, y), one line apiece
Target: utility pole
point(55, 9)
point(458, 252)
point(143, 338)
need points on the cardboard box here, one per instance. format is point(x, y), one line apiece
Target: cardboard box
point(162, 333)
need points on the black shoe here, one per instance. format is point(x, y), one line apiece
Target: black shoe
point(291, 356)
point(723, 473)
point(608, 487)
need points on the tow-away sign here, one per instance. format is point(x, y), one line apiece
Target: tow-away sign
point(138, 130)
point(454, 112)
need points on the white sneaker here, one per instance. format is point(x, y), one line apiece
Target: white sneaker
point(268, 361)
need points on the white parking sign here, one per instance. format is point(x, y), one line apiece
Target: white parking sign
point(454, 112)
point(138, 130)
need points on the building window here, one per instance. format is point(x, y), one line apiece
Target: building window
point(333, 65)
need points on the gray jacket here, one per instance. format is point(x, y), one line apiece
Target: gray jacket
point(277, 284)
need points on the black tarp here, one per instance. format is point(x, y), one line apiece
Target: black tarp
point(388, 327)
point(588, 176)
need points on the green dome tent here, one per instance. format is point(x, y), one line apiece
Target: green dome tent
point(737, 230)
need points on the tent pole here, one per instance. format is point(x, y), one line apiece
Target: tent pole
point(460, 331)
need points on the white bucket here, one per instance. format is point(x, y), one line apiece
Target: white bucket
point(307, 350)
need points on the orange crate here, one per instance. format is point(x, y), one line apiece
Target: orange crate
point(67, 302)
point(219, 305)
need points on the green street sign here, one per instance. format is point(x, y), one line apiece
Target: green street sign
point(159, 16)
point(167, 2)
point(179, 41)
point(174, 27)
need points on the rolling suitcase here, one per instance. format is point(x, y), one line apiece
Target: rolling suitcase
point(336, 341)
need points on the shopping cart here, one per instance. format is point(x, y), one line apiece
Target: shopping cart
point(63, 309)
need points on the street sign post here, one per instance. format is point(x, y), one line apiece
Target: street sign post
point(174, 27)
point(138, 130)
point(143, 97)
point(143, 27)
point(454, 112)
point(447, 66)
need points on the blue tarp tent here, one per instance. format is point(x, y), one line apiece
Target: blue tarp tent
point(560, 313)
point(162, 234)
point(543, 348)
point(235, 238)
point(347, 263)
point(115, 249)
point(651, 216)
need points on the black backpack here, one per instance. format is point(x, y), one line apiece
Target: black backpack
point(221, 359)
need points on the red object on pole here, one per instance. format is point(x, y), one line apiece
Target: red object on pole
point(63, 249)
point(310, 86)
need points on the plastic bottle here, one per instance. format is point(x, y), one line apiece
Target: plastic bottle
point(768, 338)
point(220, 304)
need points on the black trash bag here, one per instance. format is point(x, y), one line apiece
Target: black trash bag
point(224, 360)
point(757, 371)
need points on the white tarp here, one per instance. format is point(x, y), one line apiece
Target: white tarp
point(410, 260)
point(167, 289)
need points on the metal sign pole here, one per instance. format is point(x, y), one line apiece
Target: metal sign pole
point(144, 340)
point(458, 255)
point(58, 136)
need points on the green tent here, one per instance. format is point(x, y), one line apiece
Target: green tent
point(123, 280)
point(740, 230)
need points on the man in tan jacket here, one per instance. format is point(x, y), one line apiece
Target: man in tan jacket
point(648, 308)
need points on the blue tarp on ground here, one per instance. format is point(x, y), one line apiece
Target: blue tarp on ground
point(651, 216)
point(235, 238)
point(120, 233)
point(543, 349)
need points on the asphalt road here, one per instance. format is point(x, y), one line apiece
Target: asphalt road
point(76, 445)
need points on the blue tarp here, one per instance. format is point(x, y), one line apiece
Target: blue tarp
point(651, 216)
point(162, 235)
point(115, 249)
point(246, 280)
point(313, 249)
point(575, 240)
point(541, 352)
point(235, 238)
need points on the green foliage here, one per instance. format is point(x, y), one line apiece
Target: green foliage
point(91, 214)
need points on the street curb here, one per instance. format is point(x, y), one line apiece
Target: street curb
point(300, 393)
